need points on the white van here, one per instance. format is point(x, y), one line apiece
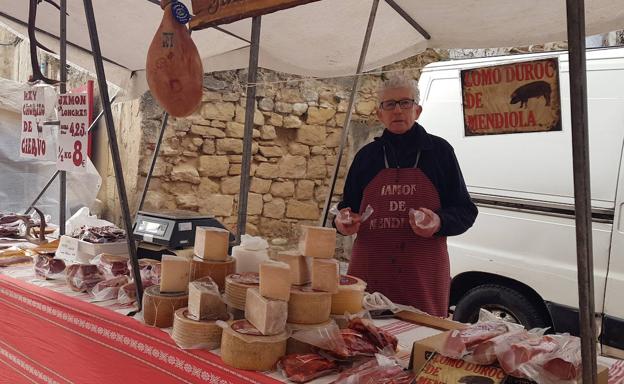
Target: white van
point(519, 258)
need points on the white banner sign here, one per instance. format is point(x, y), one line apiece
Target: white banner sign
point(73, 138)
point(34, 143)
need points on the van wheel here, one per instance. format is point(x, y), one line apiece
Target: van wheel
point(505, 303)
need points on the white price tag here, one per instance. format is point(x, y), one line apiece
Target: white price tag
point(71, 153)
point(188, 226)
point(34, 139)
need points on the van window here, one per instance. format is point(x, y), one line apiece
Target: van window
point(444, 90)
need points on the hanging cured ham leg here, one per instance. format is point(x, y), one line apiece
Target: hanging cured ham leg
point(174, 68)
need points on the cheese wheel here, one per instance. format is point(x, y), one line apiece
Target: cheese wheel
point(158, 307)
point(307, 306)
point(192, 334)
point(349, 297)
point(218, 270)
point(236, 286)
point(244, 347)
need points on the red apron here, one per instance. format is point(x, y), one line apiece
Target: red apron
point(389, 256)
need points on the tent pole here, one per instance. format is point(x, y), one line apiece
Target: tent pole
point(63, 90)
point(45, 188)
point(582, 192)
point(250, 109)
point(409, 19)
point(163, 126)
point(114, 147)
point(345, 128)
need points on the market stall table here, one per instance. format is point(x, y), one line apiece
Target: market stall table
point(51, 334)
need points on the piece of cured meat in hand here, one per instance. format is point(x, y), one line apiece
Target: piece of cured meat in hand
point(301, 368)
point(461, 341)
point(380, 338)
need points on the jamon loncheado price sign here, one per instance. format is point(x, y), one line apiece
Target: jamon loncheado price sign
point(512, 98)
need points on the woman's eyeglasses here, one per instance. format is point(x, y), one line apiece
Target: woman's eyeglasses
point(389, 105)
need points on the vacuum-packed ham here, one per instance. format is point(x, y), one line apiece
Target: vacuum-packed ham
point(381, 339)
point(485, 352)
point(301, 368)
point(83, 277)
point(512, 358)
point(47, 267)
point(462, 341)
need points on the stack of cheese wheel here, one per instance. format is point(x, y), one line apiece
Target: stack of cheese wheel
point(349, 297)
point(295, 346)
point(159, 307)
point(244, 347)
point(236, 286)
point(211, 255)
point(195, 334)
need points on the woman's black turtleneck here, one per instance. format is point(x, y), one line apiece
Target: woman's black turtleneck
point(437, 160)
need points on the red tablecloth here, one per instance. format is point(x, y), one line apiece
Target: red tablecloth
point(47, 337)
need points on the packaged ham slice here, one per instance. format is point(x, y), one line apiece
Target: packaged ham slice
point(515, 355)
point(111, 265)
point(83, 277)
point(562, 364)
point(108, 289)
point(376, 371)
point(301, 368)
point(461, 342)
point(47, 267)
point(379, 338)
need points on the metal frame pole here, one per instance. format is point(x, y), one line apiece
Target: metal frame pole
point(45, 188)
point(114, 147)
point(62, 90)
point(250, 109)
point(163, 126)
point(345, 128)
point(582, 192)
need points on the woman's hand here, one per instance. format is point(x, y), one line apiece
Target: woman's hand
point(428, 226)
point(347, 222)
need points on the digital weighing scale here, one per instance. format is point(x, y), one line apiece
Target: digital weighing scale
point(172, 229)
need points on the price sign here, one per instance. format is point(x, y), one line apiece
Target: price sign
point(71, 152)
point(34, 141)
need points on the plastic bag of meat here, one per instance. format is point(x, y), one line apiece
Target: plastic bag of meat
point(485, 352)
point(380, 339)
point(108, 289)
point(127, 293)
point(515, 355)
point(149, 270)
point(301, 368)
point(563, 364)
point(356, 344)
point(47, 267)
point(461, 342)
point(111, 265)
point(83, 277)
point(380, 370)
point(327, 338)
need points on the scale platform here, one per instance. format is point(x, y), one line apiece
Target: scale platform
point(172, 229)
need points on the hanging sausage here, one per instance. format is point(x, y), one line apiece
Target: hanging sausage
point(174, 68)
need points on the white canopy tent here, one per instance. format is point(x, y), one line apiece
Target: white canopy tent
point(325, 38)
point(320, 39)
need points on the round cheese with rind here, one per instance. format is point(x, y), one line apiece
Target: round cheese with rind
point(307, 306)
point(244, 347)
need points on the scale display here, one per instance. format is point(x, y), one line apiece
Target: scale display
point(173, 229)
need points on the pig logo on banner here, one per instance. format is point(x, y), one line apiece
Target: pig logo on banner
point(512, 98)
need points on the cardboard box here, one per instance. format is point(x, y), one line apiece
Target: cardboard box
point(424, 349)
point(81, 251)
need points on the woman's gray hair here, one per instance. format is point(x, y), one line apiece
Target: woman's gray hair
point(399, 80)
